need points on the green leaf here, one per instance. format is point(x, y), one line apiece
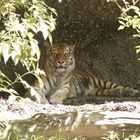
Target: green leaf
point(11, 91)
point(138, 13)
point(43, 27)
point(1, 50)
point(121, 27)
point(50, 37)
point(137, 49)
point(121, 22)
point(5, 52)
point(35, 49)
point(135, 8)
point(39, 72)
point(20, 30)
point(15, 58)
point(30, 35)
point(136, 35)
point(60, 1)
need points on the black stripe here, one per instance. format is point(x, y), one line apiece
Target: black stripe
point(66, 83)
point(115, 86)
point(100, 83)
point(73, 82)
point(80, 77)
point(111, 84)
point(105, 84)
point(97, 92)
point(102, 92)
point(49, 80)
point(67, 75)
point(75, 86)
point(95, 83)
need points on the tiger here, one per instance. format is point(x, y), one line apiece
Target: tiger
point(62, 80)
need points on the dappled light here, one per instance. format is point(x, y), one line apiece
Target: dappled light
point(27, 117)
point(69, 70)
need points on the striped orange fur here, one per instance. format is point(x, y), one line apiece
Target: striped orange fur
point(63, 81)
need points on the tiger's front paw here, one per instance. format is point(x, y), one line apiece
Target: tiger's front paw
point(55, 101)
point(56, 98)
point(59, 96)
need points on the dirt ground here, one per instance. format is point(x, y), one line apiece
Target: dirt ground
point(13, 109)
point(25, 117)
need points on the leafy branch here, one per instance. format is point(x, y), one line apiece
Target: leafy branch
point(17, 36)
point(130, 16)
point(20, 21)
point(6, 85)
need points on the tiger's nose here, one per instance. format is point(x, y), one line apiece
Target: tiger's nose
point(61, 62)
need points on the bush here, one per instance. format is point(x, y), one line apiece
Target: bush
point(129, 17)
point(21, 20)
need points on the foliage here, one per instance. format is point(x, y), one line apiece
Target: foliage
point(6, 85)
point(130, 16)
point(111, 135)
point(20, 21)
point(13, 136)
point(5, 82)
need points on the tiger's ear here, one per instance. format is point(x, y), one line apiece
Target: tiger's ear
point(72, 48)
point(47, 45)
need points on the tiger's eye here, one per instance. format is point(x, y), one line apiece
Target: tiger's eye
point(66, 53)
point(55, 53)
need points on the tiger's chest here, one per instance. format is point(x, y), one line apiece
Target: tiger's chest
point(53, 84)
point(76, 84)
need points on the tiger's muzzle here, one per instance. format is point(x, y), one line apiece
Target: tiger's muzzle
point(61, 66)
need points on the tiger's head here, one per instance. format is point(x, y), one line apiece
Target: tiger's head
point(60, 58)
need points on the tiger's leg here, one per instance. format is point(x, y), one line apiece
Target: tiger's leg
point(39, 91)
point(43, 88)
point(59, 95)
point(36, 95)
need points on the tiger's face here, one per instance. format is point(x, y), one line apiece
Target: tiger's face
point(60, 58)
